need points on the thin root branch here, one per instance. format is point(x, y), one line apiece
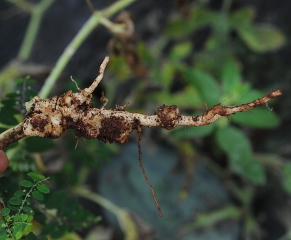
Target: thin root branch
point(144, 172)
point(79, 89)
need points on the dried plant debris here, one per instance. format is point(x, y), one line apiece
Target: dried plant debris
point(49, 118)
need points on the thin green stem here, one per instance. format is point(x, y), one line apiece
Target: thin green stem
point(85, 193)
point(33, 28)
point(28, 194)
point(24, 5)
point(84, 32)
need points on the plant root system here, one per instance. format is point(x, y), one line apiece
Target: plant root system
point(49, 118)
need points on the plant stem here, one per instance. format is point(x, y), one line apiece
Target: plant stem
point(24, 5)
point(85, 193)
point(36, 15)
point(84, 32)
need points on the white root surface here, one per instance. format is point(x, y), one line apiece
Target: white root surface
point(49, 118)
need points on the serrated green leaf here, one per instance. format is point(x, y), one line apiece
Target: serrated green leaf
point(37, 195)
point(5, 211)
point(206, 84)
point(26, 183)
point(43, 188)
point(15, 201)
point(238, 148)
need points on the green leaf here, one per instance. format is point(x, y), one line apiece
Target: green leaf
point(28, 211)
point(24, 217)
point(230, 76)
point(258, 118)
point(17, 218)
point(15, 201)
point(17, 230)
point(206, 85)
point(5, 211)
point(238, 148)
point(262, 38)
point(181, 50)
point(18, 235)
point(286, 182)
point(43, 188)
point(37, 195)
point(26, 183)
point(19, 193)
point(36, 176)
point(30, 218)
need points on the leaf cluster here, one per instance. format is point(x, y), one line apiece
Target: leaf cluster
point(17, 214)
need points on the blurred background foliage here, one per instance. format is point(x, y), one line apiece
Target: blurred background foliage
point(228, 180)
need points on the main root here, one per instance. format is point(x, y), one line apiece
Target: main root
point(49, 118)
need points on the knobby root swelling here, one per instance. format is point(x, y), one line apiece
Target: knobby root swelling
point(49, 118)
